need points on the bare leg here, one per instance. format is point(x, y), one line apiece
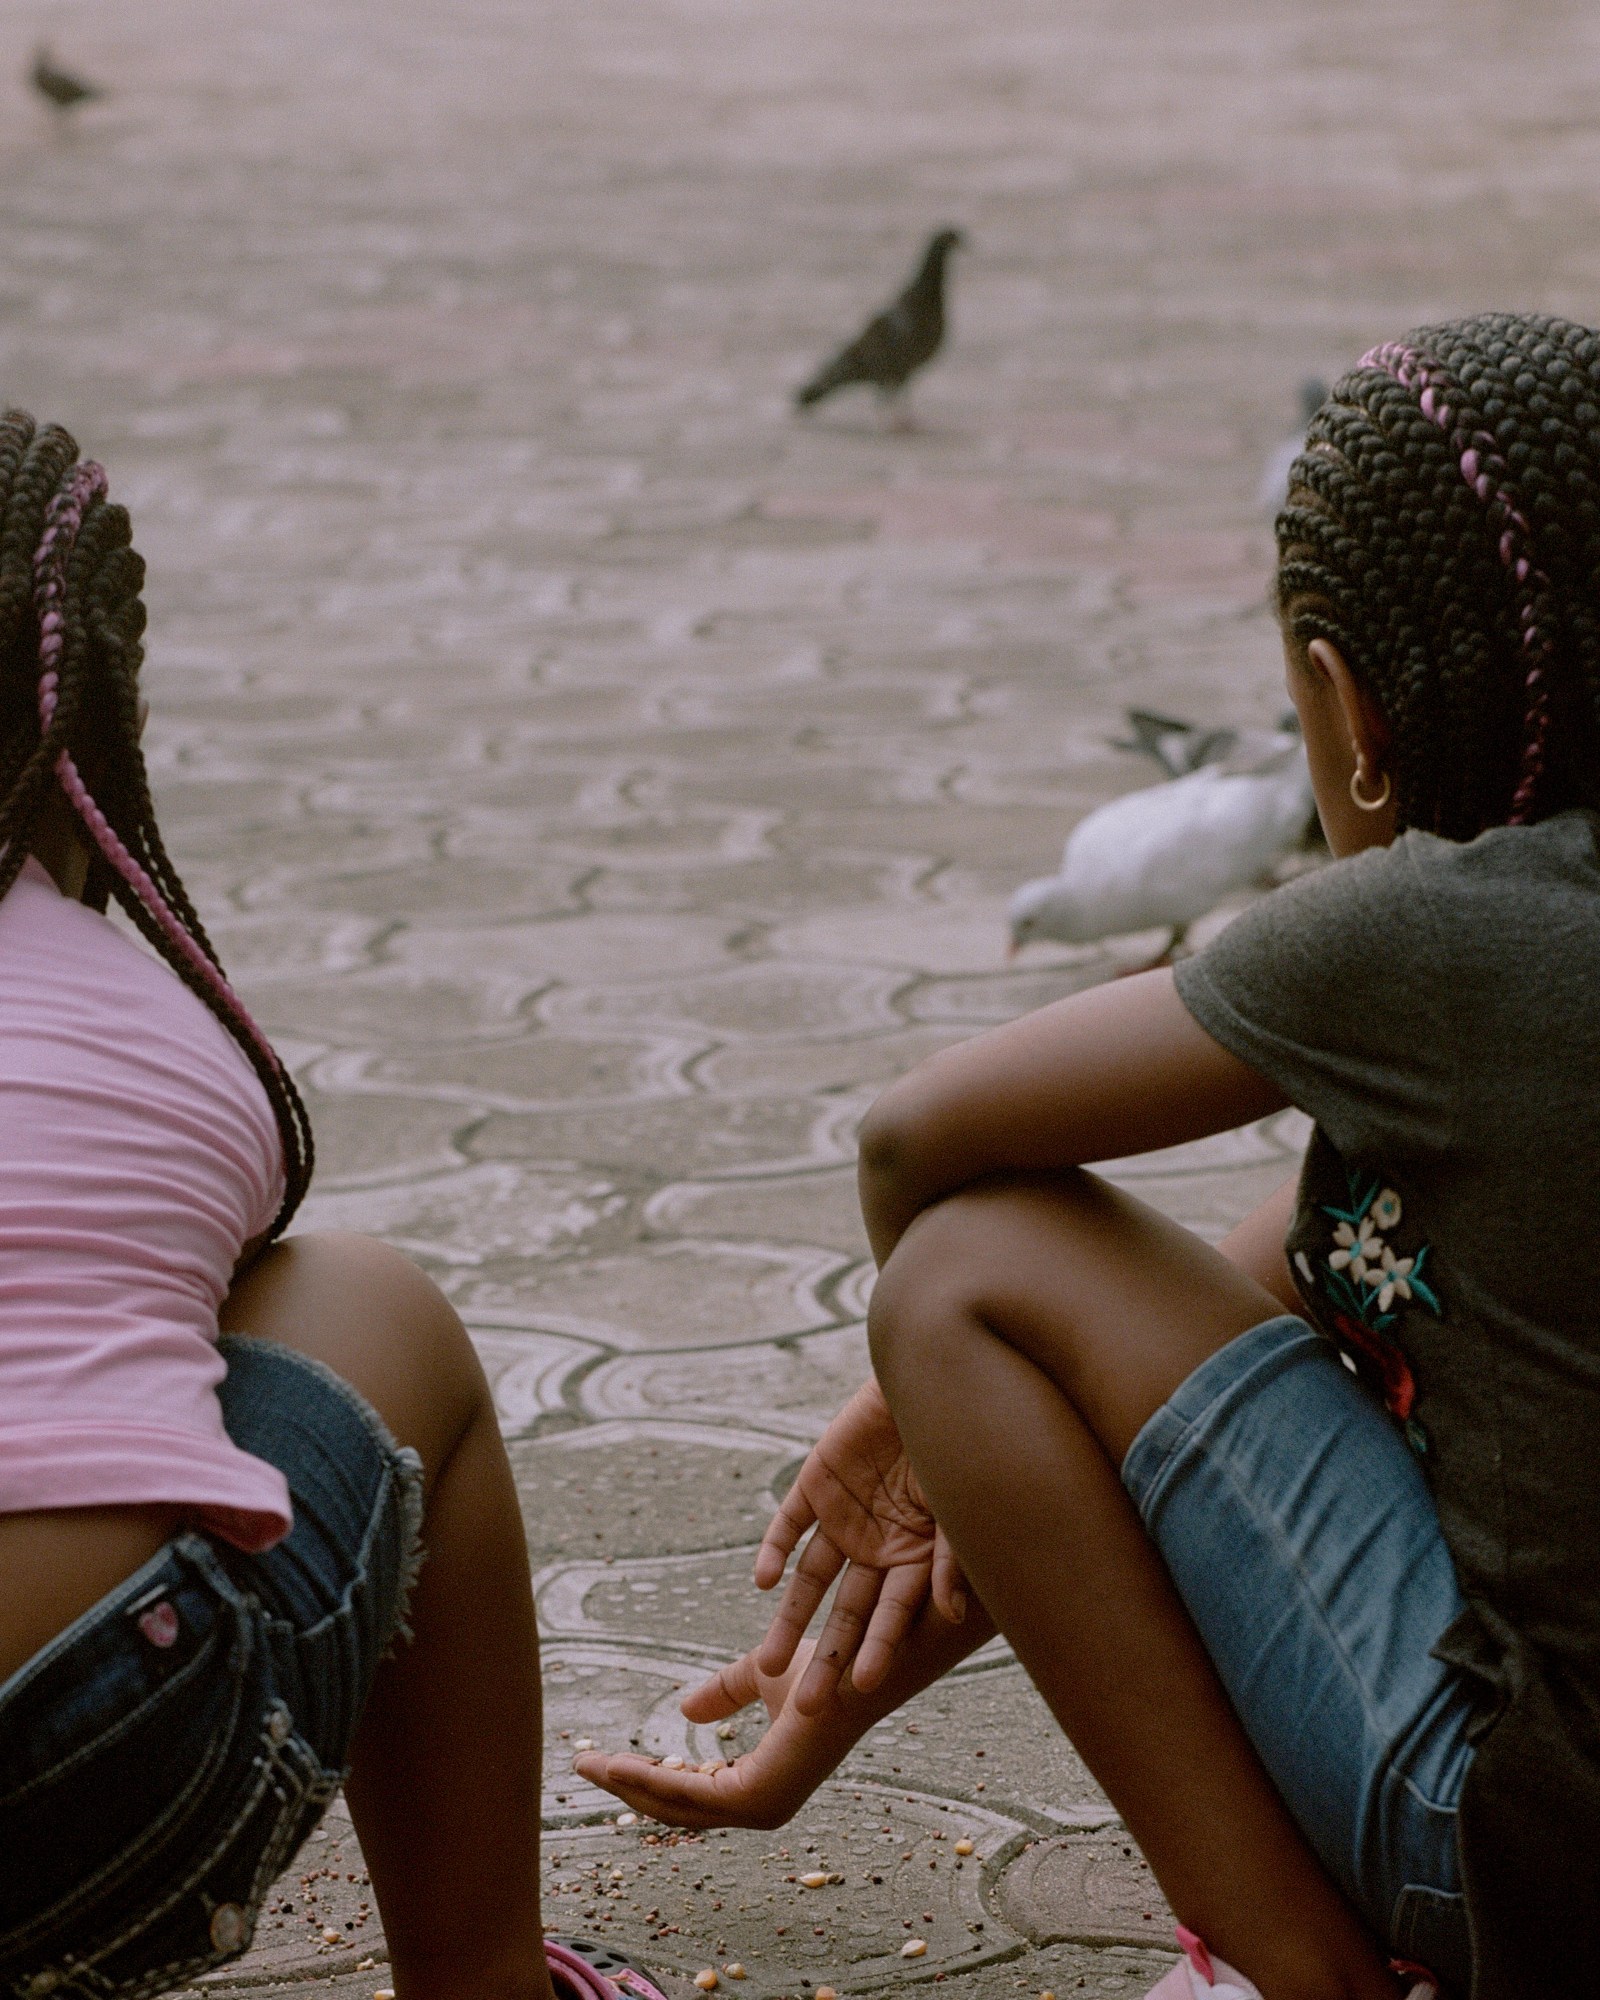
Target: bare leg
point(445, 1777)
point(1022, 1334)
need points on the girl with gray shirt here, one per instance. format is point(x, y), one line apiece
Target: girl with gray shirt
point(1296, 1536)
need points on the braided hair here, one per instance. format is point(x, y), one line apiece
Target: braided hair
point(71, 620)
point(1442, 530)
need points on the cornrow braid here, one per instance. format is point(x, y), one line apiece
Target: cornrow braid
point(71, 622)
point(1442, 529)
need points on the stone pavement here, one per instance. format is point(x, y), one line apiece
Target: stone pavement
point(602, 783)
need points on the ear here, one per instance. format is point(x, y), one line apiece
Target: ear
point(1365, 723)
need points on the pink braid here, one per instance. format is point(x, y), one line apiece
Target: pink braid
point(1487, 473)
point(87, 482)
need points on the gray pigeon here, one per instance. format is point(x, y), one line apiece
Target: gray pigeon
point(1180, 747)
point(59, 88)
point(903, 338)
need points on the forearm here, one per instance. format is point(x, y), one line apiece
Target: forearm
point(1107, 1073)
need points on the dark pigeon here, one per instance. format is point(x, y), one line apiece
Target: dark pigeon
point(59, 87)
point(902, 339)
point(1178, 747)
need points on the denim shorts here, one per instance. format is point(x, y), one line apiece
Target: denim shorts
point(162, 1759)
point(1302, 1537)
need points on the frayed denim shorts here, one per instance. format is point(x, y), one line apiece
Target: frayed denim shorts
point(162, 1759)
point(1302, 1537)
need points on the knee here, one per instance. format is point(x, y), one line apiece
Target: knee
point(373, 1315)
point(932, 1282)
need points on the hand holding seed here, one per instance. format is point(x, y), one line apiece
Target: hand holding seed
point(764, 1787)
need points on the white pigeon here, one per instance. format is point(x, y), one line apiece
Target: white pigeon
point(1163, 856)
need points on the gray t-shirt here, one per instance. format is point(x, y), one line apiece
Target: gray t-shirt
point(1435, 1008)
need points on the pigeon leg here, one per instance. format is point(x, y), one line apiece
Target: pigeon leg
point(899, 421)
point(1176, 943)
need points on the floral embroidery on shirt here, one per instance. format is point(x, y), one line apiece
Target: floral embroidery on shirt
point(1365, 1279)
point(1364, 1276)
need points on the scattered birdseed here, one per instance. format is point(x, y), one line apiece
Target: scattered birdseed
point(826, 1993)
point(815, 1878)
point(963, 1847)
point(583, 1743)
point(331, 1936)
point(672, 1763)
point(627, 1819)
point(913, 1947)
point(706, 1981)
point(384, 1993)
point(727, 1732)
point(734, 1972)
point(1047, 1995)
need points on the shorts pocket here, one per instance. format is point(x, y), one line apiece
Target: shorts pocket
point(205, 1912)
point(1429, 1927)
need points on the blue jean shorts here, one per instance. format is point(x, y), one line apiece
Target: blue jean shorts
point(162, 1759)
point(1302, 1537)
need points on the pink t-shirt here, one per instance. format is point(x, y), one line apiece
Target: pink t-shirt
point(138, 1155)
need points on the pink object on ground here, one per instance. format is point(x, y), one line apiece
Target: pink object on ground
point(1198, 1975)
point(574, 1977)
point(1187, 1981)
point(138, 1155)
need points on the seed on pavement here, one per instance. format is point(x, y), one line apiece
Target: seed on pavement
point(815, 1878)
point(627, 1819)
point(583, 1743)
point(706, 1981)
point(963, 1847)
point(330, 1935)
point(734, 1972)
point(913, 1947)
point(826, 1993)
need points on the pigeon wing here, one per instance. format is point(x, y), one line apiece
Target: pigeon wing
point(886, 353)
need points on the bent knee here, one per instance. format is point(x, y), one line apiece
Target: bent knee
point(972, 1256)
point(940, 1270)
point(374, 1317)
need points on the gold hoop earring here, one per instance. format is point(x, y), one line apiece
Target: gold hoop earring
point(1369, 805)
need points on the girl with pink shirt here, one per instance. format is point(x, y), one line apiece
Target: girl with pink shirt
point(223, 1451)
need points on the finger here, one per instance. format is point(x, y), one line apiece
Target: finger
point(795, 1514)
point(682, 1798)
point(905, 1588)
point(819, 1564)
point(949, 1581)
point(847, 1621)
point(729, 1689)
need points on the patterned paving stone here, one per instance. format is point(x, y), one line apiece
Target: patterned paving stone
point(601, 783)
point(1084, 1889)
point(645, 1488)
point(795, 1385)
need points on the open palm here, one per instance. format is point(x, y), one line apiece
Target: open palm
point(764, 1787)
point(858, 1493)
